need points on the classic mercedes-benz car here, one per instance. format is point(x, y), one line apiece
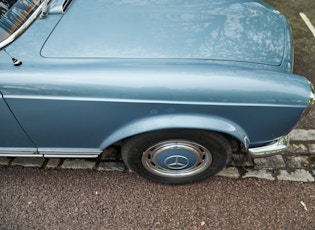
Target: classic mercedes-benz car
point(180, 84)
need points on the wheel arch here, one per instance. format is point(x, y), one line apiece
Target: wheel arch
point(182, 121)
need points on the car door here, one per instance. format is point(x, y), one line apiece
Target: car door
point(13, 139)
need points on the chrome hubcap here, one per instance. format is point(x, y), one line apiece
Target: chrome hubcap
point(176, 158)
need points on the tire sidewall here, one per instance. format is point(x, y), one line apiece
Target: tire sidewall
point(218, 145)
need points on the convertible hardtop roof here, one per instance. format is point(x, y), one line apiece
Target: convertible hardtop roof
point(235, 30)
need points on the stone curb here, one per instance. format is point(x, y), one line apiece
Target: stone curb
point(296, 163)
point(302, 135)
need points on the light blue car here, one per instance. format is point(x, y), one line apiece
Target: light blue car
point(180, 84)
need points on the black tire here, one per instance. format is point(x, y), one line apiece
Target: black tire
point(176, 156)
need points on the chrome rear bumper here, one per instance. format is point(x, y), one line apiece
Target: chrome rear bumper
point(270, 149)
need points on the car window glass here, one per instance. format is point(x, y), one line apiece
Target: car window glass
point(5, 5)
point(13, 14)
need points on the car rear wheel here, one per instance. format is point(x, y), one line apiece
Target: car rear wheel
point(176, 156)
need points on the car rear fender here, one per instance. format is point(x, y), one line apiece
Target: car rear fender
point(182, 121)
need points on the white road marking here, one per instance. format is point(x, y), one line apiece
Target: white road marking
point(308, 23)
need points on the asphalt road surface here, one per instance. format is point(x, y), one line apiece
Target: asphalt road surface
point(66, 199)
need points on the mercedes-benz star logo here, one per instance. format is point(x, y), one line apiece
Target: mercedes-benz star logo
point(176, 162)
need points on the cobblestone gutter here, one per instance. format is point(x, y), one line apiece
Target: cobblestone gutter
point(297, 163)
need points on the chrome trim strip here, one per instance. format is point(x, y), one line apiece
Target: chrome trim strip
point(21, 155)
point(20, 31)
point(70, 156)
point(271, 149)
point(62, 152)
point(122, 100)
point(51, 152)
point(19, 152)
point(69, 150)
